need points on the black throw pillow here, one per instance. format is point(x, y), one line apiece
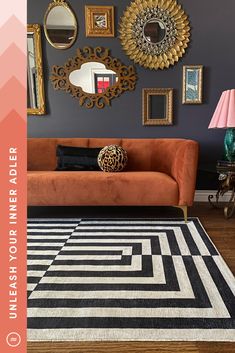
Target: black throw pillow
point(77, 158)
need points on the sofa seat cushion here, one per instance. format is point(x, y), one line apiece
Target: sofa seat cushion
point(86, 188)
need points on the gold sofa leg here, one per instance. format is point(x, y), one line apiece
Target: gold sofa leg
point(185, 212)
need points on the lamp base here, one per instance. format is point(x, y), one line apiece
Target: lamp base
point(229, 145)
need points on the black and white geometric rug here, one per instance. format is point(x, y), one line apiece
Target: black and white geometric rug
point(127, 279)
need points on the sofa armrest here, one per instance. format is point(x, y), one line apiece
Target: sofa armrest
point(184, 171)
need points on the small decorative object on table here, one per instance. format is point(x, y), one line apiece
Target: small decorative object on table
point(226, 172)
point(224, 117)
point(99, 21)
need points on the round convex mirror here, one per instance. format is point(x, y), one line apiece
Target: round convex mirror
point(154, 31)
point(60, 25)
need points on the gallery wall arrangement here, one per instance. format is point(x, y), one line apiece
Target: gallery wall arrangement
point(171, 78)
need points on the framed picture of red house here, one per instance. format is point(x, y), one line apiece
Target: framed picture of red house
point(103, 81)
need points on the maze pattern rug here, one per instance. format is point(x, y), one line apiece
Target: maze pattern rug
point(127, 279)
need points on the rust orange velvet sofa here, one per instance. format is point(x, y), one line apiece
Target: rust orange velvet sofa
point(159, 172)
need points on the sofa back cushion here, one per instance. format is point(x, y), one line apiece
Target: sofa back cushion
point(42, 151)
point(143, 154)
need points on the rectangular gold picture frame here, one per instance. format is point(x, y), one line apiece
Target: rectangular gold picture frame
point(192, 84)
point(157, 106)
point(99, 21)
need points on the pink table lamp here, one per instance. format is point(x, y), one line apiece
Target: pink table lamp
point(224, 117)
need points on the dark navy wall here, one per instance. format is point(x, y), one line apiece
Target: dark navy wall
point(212, 45)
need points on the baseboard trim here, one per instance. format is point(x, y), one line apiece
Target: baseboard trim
point(202, 195)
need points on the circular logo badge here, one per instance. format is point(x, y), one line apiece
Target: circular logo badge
point(13, 339)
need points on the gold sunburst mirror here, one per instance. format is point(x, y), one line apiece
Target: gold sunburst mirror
point(154, 33)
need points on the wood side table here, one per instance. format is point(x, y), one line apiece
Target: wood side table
point(226, 171)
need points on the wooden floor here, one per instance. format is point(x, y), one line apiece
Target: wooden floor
point(221, 231)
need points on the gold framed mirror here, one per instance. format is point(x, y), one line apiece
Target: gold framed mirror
point(154, 33)
point(35, 83)
point(157, 105)
point(60, 25)
point(93, 77)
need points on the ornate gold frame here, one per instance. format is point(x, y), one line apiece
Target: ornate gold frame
point(126, 77)
point(165, 53)
point(146, 96)
point(36, 30)
point(53, 4)
point(95, 32)
point(200, 83)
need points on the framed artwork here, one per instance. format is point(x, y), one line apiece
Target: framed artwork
point(157, 106)
point(103, 81)
point(192, 84)
point(99, 21)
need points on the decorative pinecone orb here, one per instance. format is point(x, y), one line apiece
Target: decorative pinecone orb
point(112, 158)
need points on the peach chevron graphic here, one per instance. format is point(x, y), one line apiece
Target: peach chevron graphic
point(12, 59)
point(13, 77)
point(13, 7)
point(13, 118)
point(13, 31)
point(12, 96)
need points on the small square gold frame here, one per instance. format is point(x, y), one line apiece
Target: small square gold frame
point(198, 99)
point(147, 93)
point(107, 12)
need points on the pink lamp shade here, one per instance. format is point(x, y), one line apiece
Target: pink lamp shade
point(224, 115)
